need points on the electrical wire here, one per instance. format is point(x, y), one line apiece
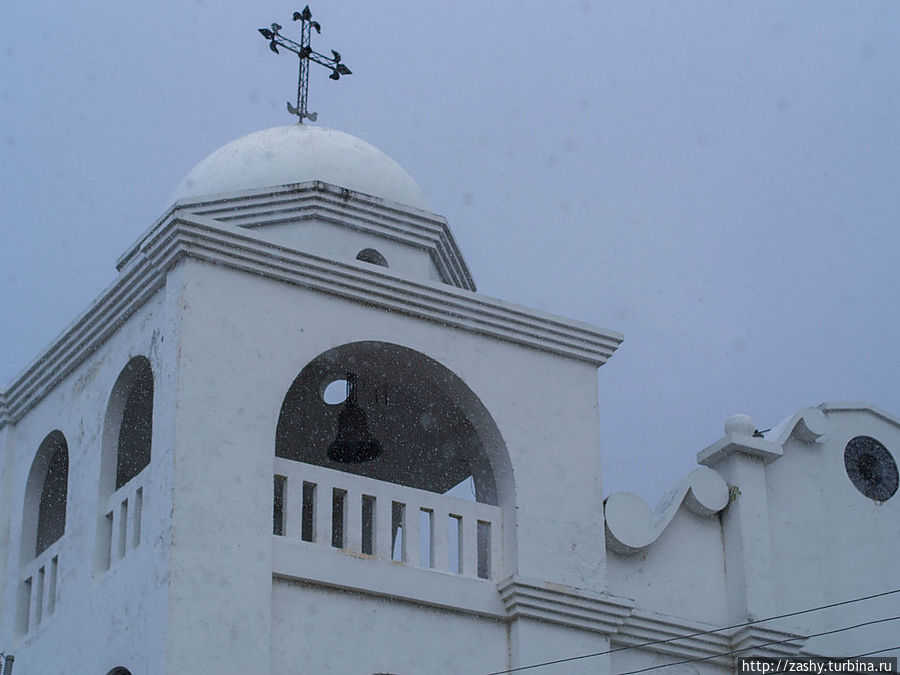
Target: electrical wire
point(764, 644)
point(846, 658)
point(697, 634)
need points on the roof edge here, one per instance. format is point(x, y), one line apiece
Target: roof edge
point(144, 269)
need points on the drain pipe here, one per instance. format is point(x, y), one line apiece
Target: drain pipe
point(7, 669)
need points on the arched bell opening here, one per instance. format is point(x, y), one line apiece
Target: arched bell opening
point(434, 433)
point(125, 453)
point(44, 512)
point(128, 429)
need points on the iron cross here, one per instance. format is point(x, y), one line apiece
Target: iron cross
point(306, 54)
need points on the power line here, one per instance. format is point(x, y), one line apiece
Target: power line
point(849, 658)
point(764, 644)
point(697, 634)
point(879, 651)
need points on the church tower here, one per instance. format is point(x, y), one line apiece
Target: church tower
point(177, 497)
point(292, 437)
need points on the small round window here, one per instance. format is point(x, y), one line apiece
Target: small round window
point(871, 468)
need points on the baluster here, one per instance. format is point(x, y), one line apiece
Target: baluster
point(322, 508)
point(292, 505)
point(39, 593)
point(51, 588)
point(382, 528)
point(34, 611)
point(115, 532)
point(353, 530)
point(24, 609)
point(468, 546)
point(495, 549)
point(411, 551)
point(439, 549)
point(136, 520)
point(122, 540)
point(483, 534)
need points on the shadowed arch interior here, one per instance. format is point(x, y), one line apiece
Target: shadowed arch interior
point(434, 430)
point(46, 493)
point(370, 255)
point(128, 430)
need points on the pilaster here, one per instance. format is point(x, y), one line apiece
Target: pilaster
point(741, 457)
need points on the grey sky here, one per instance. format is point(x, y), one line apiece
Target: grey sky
point(718, 181)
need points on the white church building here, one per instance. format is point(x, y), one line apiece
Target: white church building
point(292, 437)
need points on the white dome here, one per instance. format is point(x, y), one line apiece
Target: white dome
point(296, 154)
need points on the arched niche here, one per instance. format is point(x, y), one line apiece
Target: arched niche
point(373, 256)
point(434, 430)
point(119, 670)
point(128, 428)
point(46, 493)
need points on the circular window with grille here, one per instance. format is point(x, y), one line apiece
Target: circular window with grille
point(871, 468)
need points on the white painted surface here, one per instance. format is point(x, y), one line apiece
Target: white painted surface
point(101, 619)
point(228, 316)
point(296, 154)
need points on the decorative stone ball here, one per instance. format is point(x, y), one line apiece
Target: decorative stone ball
point(740, 424)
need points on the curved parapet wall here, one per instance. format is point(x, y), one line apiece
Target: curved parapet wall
point(631, 526)
point(807, 425)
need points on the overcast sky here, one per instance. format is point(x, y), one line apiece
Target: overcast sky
point(716, 180)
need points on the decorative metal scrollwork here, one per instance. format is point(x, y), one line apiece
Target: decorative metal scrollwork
point(871, 468)
point(303, 50)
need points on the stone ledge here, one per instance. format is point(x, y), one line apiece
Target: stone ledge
point(766, 642)
point(564, 605)
point(304, 562)
point(144, 271)
point(732, 444)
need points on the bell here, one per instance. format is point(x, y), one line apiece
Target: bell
point(354, 442)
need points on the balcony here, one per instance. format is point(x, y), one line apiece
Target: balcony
point(120, 525)
point(38, 590)
point(338, 529)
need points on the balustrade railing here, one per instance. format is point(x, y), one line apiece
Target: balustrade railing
point(38, 590)
point(120, 526)
point(384, 520)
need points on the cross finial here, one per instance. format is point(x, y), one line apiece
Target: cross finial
point(306, 54)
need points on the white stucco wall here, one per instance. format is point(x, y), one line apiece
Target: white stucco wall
point(226, 341)
point(340, 243)
point(101, 619)
point(681, 574)
point(830, 542)
point(244, 340)
point(330, 631)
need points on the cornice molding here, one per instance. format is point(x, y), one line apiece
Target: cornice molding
point(757, 640)
point(738, 443)
point(669, 637)
point(330, 203)
point(82, 337)
point(230, 247)
point(143, 271)
point(559, 604)
point(694, 640)
point(860, 407)
point(630, 627)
